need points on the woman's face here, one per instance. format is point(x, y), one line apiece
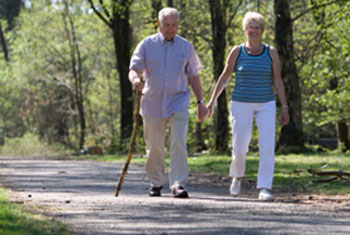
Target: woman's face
point(254, 31)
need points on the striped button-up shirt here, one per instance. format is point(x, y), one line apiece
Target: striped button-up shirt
point(166, 67)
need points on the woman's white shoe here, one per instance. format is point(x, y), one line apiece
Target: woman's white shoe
point(265, 195)
point(235, 188)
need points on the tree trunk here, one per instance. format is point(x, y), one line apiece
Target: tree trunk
point(118, 21)
point(156, 7)
point(200, 145)
point(9, 10)
point(341, 126)
point(122, 38)
point(112, 115)
point(3, 44)
point(218, 49)
point(76, 63)
point(291, 134)
point(170, 3)
point(343, 135)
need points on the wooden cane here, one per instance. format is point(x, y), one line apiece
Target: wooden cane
point(132, 141)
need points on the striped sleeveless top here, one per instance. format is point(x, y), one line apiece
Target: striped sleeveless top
point(253, 82)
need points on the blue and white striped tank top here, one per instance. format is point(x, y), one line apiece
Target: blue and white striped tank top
point(253, 83)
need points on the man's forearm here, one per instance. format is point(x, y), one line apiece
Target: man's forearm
point(196, 87)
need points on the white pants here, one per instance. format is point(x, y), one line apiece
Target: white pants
point(154, 134)
point(242, 115)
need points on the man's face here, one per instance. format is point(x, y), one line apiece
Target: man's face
point(168, 27)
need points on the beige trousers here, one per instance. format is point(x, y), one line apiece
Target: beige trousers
point(154, 134)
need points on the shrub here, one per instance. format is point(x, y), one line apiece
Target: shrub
point(29, 145)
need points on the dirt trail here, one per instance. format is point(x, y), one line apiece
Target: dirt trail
point(81, 194)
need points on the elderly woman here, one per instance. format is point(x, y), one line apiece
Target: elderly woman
point(257, 70)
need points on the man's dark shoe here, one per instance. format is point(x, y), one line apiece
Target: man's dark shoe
point(155, 191)
point(180, 192)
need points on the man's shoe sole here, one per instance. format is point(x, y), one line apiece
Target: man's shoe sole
point(183, 194)
point(155, 191)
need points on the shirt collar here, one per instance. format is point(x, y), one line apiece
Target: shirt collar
point(164, 41)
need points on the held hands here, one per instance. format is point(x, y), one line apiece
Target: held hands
point(210, 108)
point(202, 111)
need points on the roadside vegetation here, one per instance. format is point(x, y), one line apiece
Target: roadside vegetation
point(18, 219)
point(49, 108)
point(291, 175)
point(31, 145)
point(291, 169)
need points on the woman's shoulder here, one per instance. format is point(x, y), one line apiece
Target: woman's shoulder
point(271, 48)
point(236, 49)
point(272, 51)
point(234, 53)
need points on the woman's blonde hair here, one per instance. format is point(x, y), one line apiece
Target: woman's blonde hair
point(253, 16)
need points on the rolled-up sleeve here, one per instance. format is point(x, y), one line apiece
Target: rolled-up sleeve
point(137, 61)
point(194, 65)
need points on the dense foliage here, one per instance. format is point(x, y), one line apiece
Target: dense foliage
point(62, 57)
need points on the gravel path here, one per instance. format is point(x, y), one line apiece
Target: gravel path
point(81, 194)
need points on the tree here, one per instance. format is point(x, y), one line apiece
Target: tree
point(76, 68)
point(44, 82)
point(170, 3)
point(220, 23)
point(118, 21)
point(4, 45)
point(327, 71)
point(156, 7)
point(219, 45)
point(324, 19)
point(291, 134)
point(9, 9)
point(60, 64)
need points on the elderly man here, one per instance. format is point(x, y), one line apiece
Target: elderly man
point(169, 64)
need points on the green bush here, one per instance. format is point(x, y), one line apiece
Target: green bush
point(29, 145)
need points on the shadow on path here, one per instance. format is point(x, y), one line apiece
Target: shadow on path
point(81, 193)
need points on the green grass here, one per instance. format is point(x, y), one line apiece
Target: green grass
point(290, 170)
point(15, 219)
point(290, 175)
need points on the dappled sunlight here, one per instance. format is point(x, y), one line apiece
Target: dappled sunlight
point(81, 193)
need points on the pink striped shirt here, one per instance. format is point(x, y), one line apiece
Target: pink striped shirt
point(166, 67)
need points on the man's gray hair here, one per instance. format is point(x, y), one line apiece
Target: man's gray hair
point(167, 11)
